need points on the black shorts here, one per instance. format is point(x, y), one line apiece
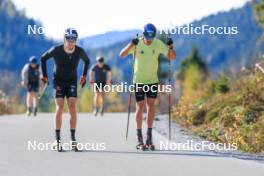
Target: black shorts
point(62, 90)
point(32, 87)
point(149, 90)
point(99, 87)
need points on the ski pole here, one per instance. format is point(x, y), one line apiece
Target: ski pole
point(43, 90)
point(169, 96)
point(130, 93)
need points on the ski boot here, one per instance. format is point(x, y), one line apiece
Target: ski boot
point(74, 145)
point(57, 146)
point(35, 111)
point(149, 144)
point(29, 111)
point(102, 111)
point(140, 144)
point(96, 111)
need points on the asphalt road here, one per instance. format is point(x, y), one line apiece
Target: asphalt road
point(107, 154)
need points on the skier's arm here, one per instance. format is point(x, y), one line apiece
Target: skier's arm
point(91, 76)
point(171, 53)
point(127, 50)
point(40, 76)
point(23, 75)
point(86, 61)
point(167, 50)
point(109, 77)
point(46, 56)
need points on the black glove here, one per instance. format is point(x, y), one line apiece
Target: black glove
point(169, 41)
point(135, 41)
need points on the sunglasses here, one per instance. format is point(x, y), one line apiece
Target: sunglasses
point(71, 40)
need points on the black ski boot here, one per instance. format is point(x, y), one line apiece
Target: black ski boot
point(102, 111)
point(35, 111)
point(140, 143)
point(29, 111)
point(57, 146)
point(149, 142)
point(96, 111)
point(74, 145)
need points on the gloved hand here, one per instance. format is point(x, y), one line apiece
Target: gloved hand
point(83, 81)
point(45, 79)
point(169, 41)
point(135, 41)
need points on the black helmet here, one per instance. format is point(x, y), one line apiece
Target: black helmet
point(32, 60)
point(71, 33)
point(100, 59)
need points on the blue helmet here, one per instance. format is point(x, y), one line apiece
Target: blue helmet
point(149, 31)
point(32, 60)
point(71, 33)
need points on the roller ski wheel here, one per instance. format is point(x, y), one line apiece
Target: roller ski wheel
point(74, 145)
point(150, 147)
point(141, 147)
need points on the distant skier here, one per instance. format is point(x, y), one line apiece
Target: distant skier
point(146, 51)
point(66, 59)
point(100, 75)
point(31, 80)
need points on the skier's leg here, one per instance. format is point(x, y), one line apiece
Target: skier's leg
point(139, 114)
point(151, 97)
point(95, 99)
point(29, 99)
point(96, 102)
point(73, 112)
point(59, 110)
point(73, 120)
point(101, 103)
point(29, 102)
point(35, 103)
point(139, 119)
point(150, 111)
point(58, 121)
